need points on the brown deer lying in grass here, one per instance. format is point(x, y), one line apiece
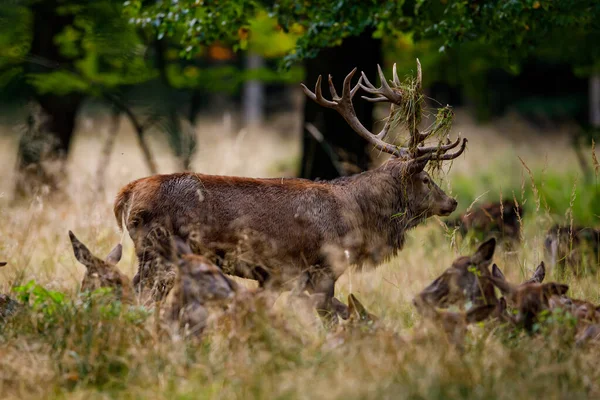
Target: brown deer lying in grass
point(501, 219)
point(458, 285)
point(532, 298)
point(199, 284)
point(461, 282)
point(278, 230)
point(528, 299)
point(102, 273)
point(571, 247)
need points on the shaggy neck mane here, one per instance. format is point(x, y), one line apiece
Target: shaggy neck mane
point(377, 207)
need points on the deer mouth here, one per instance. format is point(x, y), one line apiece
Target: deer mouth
point(444, 212)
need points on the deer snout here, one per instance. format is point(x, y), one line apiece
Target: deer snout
point(448, 207)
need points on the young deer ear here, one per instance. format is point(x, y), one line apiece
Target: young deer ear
point(539, 274)
point(355, 307)
point(182, 246)
point(82, 253)
point(497, 273)
point(485, 252)
point(480, 313)
point(115, 255)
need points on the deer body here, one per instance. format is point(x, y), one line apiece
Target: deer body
point(272, 230)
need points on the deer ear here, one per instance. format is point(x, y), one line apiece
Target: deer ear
point(355, 307)
point(415, 166)
point(359, 309)
point(485, 252)
point(82, 253)
point(480, 313)
point(540, 273)
point(182, 246)
point(497, 273)
point(115, 255)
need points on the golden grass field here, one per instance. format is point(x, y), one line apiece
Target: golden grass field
point(81, 352)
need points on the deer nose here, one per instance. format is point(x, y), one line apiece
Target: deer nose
point(453, 203)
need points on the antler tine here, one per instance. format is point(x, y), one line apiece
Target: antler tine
point(384, 84)
point(378, 99)
point(332, 90)
point(346, 89)
point(442, 148)
point(356, 87)
point(395, 76)
point(384, 93)
point(317, 96)
point(452, 156)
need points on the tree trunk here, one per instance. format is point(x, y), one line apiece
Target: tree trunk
point(594, 101)
point(254, 93)
point(50, 131)
point(363, 52)
point(183, 141)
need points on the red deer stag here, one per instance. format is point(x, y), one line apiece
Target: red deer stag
point(278, 230)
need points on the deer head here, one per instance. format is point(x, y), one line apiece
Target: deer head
point(407, 163)
point(198, 282)
point(529, 299)
point(101, 273)
point(538, 275)
point(461, 282)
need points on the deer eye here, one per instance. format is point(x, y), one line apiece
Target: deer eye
point(426, 181)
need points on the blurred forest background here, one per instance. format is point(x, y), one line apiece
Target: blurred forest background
point(164, 67)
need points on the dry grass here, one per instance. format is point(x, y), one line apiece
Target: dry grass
point(89, 349)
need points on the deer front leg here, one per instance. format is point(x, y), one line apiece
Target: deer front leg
point(323, 286)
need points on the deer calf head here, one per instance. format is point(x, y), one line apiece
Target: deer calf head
point(498, 218)
point(461, 282)
point(198, 283)
point(529, 299)
point(102, 273)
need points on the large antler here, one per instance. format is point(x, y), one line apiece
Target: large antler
point(344, 106)
point(398, 97)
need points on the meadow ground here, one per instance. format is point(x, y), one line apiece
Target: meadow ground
point(85, 347)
